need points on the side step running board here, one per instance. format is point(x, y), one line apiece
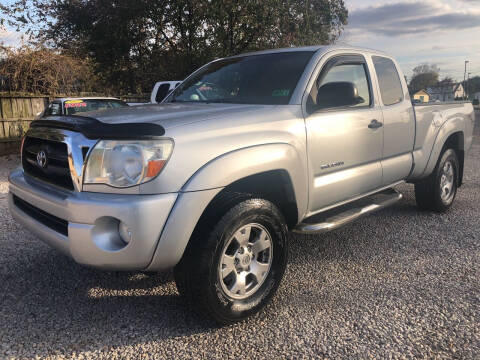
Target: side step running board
point(337, 217)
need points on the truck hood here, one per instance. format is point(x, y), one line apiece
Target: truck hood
point(170, 115)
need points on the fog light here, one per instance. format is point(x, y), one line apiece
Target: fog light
point(125, 232)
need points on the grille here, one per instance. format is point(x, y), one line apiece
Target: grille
point(56, 170)
point(53, 222)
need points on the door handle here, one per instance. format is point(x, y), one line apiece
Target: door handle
point(374, 124)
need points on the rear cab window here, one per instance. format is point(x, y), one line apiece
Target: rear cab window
point(388, 80)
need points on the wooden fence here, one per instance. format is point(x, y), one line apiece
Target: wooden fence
point(17, 112)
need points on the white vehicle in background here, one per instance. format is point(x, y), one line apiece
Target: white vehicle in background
point(162, 89)
point(74, 105)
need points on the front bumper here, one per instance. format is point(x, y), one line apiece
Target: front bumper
point(92, 221)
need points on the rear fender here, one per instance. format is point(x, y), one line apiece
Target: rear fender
point(450, 127)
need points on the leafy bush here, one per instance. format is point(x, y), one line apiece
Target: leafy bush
point(44, 71)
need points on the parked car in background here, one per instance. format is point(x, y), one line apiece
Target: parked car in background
point(162, 89)
point(75, 105)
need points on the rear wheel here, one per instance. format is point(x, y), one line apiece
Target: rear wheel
point(438, 191)
point(233, 270)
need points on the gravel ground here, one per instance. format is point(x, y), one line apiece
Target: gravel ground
point(397, 284)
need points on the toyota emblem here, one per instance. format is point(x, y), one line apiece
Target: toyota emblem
point(42, 159)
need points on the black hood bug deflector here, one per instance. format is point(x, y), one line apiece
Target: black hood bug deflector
point(92, 128)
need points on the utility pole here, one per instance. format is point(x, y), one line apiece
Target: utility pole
point(468, 80)
point(464, 77)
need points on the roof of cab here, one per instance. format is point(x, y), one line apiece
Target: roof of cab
point(316, 48)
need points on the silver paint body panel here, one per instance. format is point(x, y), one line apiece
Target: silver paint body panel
point(217, 144)
point(145, 215)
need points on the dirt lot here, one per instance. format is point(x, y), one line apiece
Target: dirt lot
point(400, 283)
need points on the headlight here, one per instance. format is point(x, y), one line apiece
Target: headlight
point(126, 163)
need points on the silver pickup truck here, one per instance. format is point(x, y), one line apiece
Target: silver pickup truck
point(247, 148)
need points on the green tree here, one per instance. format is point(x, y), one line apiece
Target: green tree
point(424, 75)
point(447, 80)
point(136, 42)
point(426, 68)
point(473, 85)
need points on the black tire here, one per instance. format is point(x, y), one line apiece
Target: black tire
point(428, 192)
point(197, 275)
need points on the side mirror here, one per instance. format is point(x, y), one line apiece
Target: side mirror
point(39, 114)
point(338, 94)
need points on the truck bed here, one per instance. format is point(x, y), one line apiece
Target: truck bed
point(431, 120)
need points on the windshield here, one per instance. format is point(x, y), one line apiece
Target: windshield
point(257, 79)
point(84, 105)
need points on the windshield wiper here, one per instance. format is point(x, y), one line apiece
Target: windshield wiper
point(223, 101)
point(211, 101)
point(182, 101)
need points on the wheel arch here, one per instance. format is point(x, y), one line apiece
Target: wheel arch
point(275, 186)
point(456, 141)
point(450, 135)
point(274, 171)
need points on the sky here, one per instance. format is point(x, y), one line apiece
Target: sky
point(441, 32)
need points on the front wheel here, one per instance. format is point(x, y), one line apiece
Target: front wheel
point(438, 191)
point(232, 271)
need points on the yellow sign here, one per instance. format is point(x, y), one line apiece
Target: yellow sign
point(73, 101)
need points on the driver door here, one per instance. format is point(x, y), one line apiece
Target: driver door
point(344, 133)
